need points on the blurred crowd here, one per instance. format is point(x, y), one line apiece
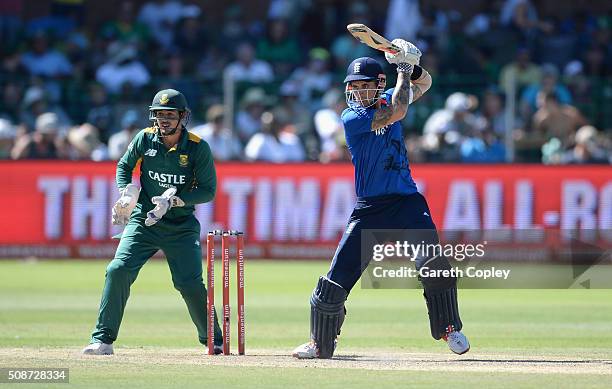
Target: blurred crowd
point(510, 82)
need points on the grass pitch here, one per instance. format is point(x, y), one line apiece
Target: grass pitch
point(520, 338)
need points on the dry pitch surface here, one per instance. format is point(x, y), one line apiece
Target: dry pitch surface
point(356, 359)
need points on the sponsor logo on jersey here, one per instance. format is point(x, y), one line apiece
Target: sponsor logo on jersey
point(382, 131)
point(150, 153)
point(166, 180)
point(183, 160)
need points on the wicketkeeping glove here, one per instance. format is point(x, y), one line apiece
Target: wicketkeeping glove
point(162, 204)
point(409, 54)
point(125, 205)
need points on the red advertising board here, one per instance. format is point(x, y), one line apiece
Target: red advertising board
point(62, 209)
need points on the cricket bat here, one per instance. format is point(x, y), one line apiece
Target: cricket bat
point(366, 36)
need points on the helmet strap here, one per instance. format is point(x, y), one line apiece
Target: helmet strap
point(173, 131)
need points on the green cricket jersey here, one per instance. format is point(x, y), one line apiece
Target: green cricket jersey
point(188, 166)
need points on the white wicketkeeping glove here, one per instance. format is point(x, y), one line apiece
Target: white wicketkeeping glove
point(409, 54)
point(125, 205)
point(162, 204)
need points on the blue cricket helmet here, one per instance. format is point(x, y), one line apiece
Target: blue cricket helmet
point(364, 68)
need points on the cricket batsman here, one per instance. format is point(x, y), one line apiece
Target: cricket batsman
point(387, 198)
point(176, 173)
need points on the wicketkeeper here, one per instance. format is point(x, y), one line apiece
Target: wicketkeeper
point(176, 173)
point(387, 199)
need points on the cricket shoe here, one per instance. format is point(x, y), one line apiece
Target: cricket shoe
point(306, 351)
point(217, 348)
point(457, 342)
point(98, 349)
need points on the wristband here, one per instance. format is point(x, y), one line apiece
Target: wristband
point(404, 67)
point(417, 72)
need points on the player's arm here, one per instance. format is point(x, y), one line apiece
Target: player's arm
point(400, 99)
point(205, 185)
point(122, 209)
point(421, 82)
point(128, 162)
point(404, 93)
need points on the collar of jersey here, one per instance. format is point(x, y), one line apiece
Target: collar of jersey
point(181, 145)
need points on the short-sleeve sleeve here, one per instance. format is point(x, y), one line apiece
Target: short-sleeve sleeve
point(357, 121)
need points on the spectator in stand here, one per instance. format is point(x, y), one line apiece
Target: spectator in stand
point(118, 142)
point(279, 48)
point(521, 71)
point(12, 94)
point(445, 128)
point(580, 86)
point(588, 147)
point(125, 27)
point(557, 120)
point(122, 68)
point(555, 46)
point(35, 103)
point(247, 67)
point(7, 138)
point(521, 16)
point(175, 77)
point(44, 61)
point(595, 61)
point(483, 147)
point(275, 143)
point(233, 29)
point(493, 112)
point(191, 38)
point(101, 112)
point(549, 84)
point(42, 143)
point(161, 17)
point(85, 143)
point(300, 117)
point(77, 48)
point(212, 64)
point(248, 119)
point(12, 67)
point(344, 47)
point(48, 64)
point(314, 79)
point(292, 108)
point(329, 126)
point(552, 120)
point(224, 145)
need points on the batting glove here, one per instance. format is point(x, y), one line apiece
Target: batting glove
point(162, 204)
point(125, 205)
point(409, 53)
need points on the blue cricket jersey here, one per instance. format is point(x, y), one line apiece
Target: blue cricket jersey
point(380, 157)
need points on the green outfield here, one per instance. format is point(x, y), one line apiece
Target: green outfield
point(520, 338)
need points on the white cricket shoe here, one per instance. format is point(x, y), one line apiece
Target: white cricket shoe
point(457, 342)
point(306, 351)
point(98, 349)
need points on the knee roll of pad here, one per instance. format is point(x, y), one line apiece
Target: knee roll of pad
point(443, 311)
point(327, 315)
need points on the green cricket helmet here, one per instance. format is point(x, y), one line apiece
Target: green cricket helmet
point(168, 99)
